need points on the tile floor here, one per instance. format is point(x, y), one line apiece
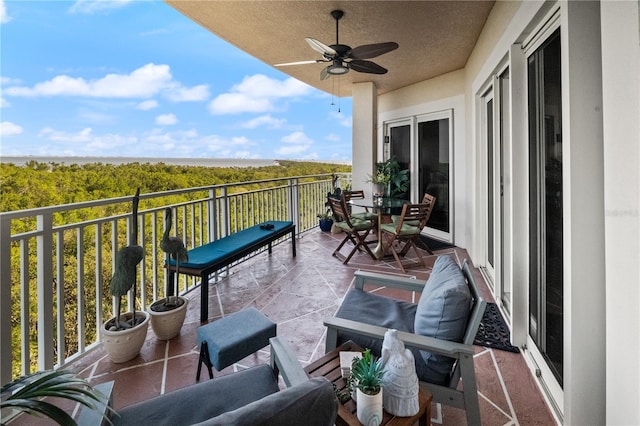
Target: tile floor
point(297, 293)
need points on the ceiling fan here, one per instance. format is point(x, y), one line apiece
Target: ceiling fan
point(343, 57)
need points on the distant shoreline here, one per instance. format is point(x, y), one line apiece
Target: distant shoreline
point(205, 162)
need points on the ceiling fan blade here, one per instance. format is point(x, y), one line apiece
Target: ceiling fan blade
point(324, 74)
point(366, 66)
point(286, 64)
point(321, 47)
point(369, 51)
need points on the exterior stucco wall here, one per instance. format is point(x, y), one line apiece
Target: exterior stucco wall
point(620, 32)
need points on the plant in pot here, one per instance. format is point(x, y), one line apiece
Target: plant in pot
point(168, 314)
point(389, 179)
point(123, 335)
point(367, 373)
point(325, 220)
point(27, 395)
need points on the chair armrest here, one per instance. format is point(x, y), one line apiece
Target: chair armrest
point(103, 410)
point(285, 362)
point(430, 344)
point(386, 280)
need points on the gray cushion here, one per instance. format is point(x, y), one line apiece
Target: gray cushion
point(236, 336)
point(312, 403)
point(367, 307)
point(442, 312)
point(201, 401)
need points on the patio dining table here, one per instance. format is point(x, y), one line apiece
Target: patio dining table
point(382, 206)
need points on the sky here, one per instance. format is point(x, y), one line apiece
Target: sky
point(138, 79)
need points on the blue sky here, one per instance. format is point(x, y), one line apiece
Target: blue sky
point(139, 79)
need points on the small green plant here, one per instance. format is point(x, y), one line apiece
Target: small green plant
point(26, 393)
point(389, 173)
point(368, 373)
point(326, 215)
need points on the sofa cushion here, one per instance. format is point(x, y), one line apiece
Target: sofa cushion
point(442, 312)
point(201, 401)
point(312, 403)
point(368, 308)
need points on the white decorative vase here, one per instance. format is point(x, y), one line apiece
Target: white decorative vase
point(167, 325)
point(401, 381)
point(369, 408)
point(124, 345)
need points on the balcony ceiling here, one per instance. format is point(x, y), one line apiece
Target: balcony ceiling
point(435, 37)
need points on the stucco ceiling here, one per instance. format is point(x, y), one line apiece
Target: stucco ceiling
point(434, 37)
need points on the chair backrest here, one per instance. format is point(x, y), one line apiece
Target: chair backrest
point(429, 200)
point(478, 306)
point(339, 209)
point(414, 214)
point(354, 194)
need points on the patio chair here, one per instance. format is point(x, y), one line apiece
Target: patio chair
point(356, 230)
point(439, 329)
point(431, 201)
point(365, 215)
point(405, 231)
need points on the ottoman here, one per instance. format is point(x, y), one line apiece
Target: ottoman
point(232, 338)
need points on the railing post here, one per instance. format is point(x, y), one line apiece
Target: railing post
point(294, 203)
point(45, 292)
point(5, 301)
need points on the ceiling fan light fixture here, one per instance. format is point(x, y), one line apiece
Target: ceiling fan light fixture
point(337, 68)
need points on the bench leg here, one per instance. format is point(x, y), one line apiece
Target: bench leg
point(293, 241)
point(204, 297)
point(204, 358)
point(170, 282)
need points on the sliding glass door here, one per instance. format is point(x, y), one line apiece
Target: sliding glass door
point(546, 203)
point(423, 144)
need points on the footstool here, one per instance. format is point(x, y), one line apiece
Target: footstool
point(232, 338)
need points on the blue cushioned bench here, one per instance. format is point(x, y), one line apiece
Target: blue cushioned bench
point(209, 258)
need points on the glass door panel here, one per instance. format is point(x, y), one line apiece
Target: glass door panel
point(546, 203)
point(400, 149)
point(434, 171)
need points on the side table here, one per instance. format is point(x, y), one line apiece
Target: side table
point(329, 367)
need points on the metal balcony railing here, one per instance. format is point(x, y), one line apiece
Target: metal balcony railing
point(56, 262)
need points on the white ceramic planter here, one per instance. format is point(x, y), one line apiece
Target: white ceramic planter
point(124, 345)
point(167, 325)
point(369, 408)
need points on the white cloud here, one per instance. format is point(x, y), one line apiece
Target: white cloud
point(264, 120)
point(89, 7)
point(4, 103)
point(156, 142)
point(166, 119)
point(147, 105)
point(144, 82)
point(340, 118)
point(86, 142)
point(233, 103)
point(8, 128)
point(4, 16)
point(257, 93)
point(296, 144)
point(189, 94)
point(332, 137)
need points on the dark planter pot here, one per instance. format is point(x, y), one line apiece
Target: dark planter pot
point(325, 224)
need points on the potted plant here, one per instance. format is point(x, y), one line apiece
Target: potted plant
point(390, 180)
point(168, 314)
point(123, 335)
point(26, 395)
point(326, 221)
point(367, 373)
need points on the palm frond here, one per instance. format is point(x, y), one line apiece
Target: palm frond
point(27, 393)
